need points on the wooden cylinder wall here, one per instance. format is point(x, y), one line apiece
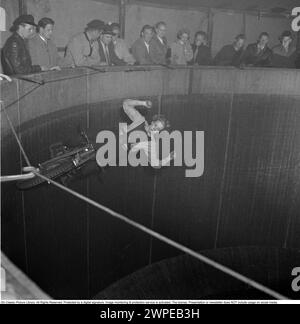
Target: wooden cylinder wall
point(248, 195)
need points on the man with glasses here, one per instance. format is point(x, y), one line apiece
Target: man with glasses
point(121, 48)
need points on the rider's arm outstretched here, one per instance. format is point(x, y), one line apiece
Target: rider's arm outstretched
point(137, 119)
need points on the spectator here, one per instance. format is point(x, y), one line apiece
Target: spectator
point(230, 55)
point(83, 49)
point(284, 54)
point(141, 48)
point(121, 48)
point(107, 50)
point(42, 50)
point(181, 50)
point(258, 54)
point(297, 61)
point(15, 55)
point(159, 44)
point(202, 53)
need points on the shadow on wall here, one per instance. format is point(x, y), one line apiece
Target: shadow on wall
point(184, 278)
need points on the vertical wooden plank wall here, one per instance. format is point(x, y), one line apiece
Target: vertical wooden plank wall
point(248, 194)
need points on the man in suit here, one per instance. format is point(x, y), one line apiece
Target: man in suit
point(202, 53)
point(159, 44)
point(230, 55)
point(297, 61)
point(284, 54)
point(42, 49)
point(107, 52)
point(258, 54)
point(141, 48)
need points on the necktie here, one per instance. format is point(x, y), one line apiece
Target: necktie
point(107, 55)
point(196, 54)
point(90, 44)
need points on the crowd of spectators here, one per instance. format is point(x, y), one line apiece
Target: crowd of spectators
point(30, 48)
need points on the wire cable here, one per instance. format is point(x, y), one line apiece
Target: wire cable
point(168, 241)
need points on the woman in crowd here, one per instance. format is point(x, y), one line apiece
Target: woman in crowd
point(181, 50)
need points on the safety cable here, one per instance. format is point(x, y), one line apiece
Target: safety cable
point(168, 241)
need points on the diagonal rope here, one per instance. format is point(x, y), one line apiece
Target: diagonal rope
point(17, 138)
point(168, 241)
point(19, 99)
point(42, 83)
point(152, 233)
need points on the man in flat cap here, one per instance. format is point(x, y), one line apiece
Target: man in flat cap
point(83, 49)
point(107, 52)
point(15, 54)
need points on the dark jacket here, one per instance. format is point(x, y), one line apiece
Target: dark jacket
point(203, 55)
point(113, 58)
point(283, 59)
point(16, 57)
point(228, 56)
point(297, 61)
point(140, 53)
point(252, 57)
point(158, 50)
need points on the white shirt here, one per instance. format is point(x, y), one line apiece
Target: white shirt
point(43, 39)
point(104, 46)
point(161, 40)
point(148, 47)
point(106, 52)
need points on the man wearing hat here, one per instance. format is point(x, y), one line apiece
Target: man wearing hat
point(107, 52)
point(83, 49)
point(284, 54)
point(15, 54)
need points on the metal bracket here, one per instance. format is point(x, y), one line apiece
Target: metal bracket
point(28, 176)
